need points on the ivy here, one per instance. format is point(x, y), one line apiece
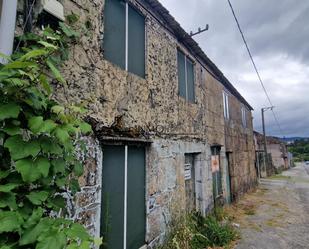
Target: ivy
point(38, 135)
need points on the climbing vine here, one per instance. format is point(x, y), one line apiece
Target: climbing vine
point(38, 137)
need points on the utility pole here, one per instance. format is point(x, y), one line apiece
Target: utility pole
point(199, 31)
point(264, 109)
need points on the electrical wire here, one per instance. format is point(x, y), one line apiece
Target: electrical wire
point(255, 68)
point(25, 24)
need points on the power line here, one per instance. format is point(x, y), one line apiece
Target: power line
point(255, 68)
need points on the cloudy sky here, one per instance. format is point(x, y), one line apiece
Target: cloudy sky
point(277, 32)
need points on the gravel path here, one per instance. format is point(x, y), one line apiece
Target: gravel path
point(277, 214)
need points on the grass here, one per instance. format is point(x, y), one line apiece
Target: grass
point(198, 232)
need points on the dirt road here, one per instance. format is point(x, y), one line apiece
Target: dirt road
point(277, 214)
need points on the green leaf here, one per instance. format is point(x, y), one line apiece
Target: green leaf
point(98, 241)
point(49, 126)
point(67, 30)
point(28, 170)
point(57, 109)
point(45, 84)
point(53, 240)
point(85, 245)
point(50, 146)
point(33, 54)
point(4, 174)
point(42, 165)
point(57, 202)
point(85, 127)
point(37, 197)
point(60, 182)
point(34, 218)
point(55, 71)
point(62, 135)
point(48, 45)
point(38, 125)
point(10, 110)
point(77, 231)
point(16, 81)
point(10, 221)
point(35, 124)
point(12, 130)
point(21, 149)
point(8, 187)
point(58, 166)
point(31, 235)
point(74, 186)
point(20, 64)
point(78, 169)
point(8, 200)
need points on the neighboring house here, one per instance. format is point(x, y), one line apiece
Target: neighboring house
point(277, 150)
point(172, 134)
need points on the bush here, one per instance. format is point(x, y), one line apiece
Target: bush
point(198, 232)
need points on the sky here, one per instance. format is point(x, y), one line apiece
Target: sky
point(277, 33)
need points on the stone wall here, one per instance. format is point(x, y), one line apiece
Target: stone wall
point(165, 183)
point(123, 104)
point(240, 143)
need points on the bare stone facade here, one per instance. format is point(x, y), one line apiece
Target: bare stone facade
point(277, 151)
point(130, 108)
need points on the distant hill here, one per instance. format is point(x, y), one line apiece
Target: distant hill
point(292, 139)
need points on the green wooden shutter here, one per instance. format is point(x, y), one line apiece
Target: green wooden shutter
point(181, 74)
point(114, 32)
point(136, 211)
point(113, 196)
point(190, 80)
point(136, 43)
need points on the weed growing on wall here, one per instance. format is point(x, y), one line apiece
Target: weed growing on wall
point(38, 162)
point(195, 231)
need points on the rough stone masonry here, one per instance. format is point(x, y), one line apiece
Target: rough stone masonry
point(132, 109)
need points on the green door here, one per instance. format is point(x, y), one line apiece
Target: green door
point(136, 213)
point(123, 197)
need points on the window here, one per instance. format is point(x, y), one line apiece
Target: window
point(244, 117)
point(226, 105)
point(185, 77)
point(124, 37)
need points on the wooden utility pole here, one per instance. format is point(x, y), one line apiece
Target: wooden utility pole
point(264, 135)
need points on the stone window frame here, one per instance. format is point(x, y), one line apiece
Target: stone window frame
point(226, 106)
point(192, 61)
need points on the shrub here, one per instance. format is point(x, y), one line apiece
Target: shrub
point(195, 231)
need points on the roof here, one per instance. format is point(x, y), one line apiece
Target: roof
point(194, 48)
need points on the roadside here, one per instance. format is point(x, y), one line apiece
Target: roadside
point(276, 215)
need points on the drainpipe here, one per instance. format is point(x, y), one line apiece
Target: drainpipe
point(7, 27)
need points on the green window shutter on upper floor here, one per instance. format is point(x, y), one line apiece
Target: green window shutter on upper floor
point(181, 74)
point(136, 42)
point(114, 32)
point(190, 80)
point(185, 77)
point(116, 35)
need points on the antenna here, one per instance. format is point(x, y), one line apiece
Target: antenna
point(199, 31)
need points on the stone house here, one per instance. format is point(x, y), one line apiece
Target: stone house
point(171, 133)
point(277, 152)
